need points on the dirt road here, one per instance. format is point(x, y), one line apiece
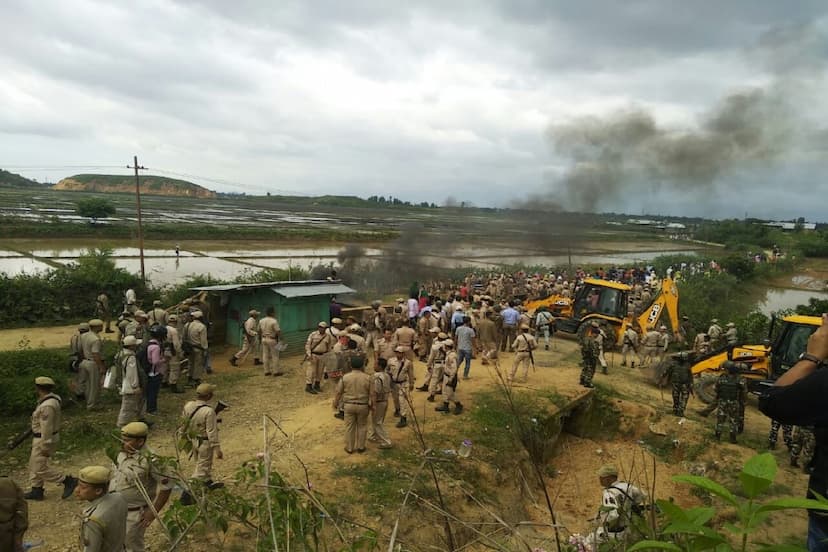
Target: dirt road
point(315, 435)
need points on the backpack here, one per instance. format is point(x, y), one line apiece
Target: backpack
point(143, 358)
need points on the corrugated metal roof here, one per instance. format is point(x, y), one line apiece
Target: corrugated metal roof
point(302, 288)
point(312, 290)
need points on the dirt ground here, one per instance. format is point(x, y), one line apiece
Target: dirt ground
point(315, 435)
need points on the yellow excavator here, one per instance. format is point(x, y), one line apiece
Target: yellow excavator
point(762, 364)
point(607, 303)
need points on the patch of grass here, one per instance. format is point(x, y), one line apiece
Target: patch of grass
point(673, 451)
point(597, 418)
point(382, 485)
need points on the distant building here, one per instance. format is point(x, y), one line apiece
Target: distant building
point(790, 226)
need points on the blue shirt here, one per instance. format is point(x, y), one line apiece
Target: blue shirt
point(510, 316)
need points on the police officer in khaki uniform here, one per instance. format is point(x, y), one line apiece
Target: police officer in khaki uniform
point(92, 365)
point(399, 369)
point(132, 391)
point(45, 433)
point(157, 315)
point(380, 389)
point(250, 339)
point(318, 344)
point(103, 525)
point(201, 423)
point(523, 346)
point(195, 334)
point(136, 478)
point(14, 515)
point(103, 311)
point(138, 327)
point(270, 331)
point(354, 390)
point(76, 351)
point(173, 354)
point(450, 380)
point(404, 337)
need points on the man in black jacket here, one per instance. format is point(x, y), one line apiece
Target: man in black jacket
point(798, 397)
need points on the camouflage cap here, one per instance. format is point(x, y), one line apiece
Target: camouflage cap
point(608, 470)
point(95, 475)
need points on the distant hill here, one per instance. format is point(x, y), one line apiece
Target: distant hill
point(151, 185)
point(11, 180)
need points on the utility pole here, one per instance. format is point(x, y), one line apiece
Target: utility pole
point(136, 166)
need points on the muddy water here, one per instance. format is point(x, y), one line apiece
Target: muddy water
point(777, 299)
point(228, 260)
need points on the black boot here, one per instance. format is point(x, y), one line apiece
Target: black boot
point(186, 499)
point(69, 484)
point(234, 361)
point(442, 408)
point(340, 415)
point(733, 438)
point(430, 398)
point(35, 494)
point(257, 362)
point(396, 413)
point(403, 422)
point(423, 387)
point(794, 463)
point(623, 363)
point(458, 408)
point(317, 387)
point(718, 436)
point(175, 388)
point(309, 389)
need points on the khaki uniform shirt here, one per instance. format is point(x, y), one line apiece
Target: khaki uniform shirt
point(399, 369)
point(524, 343)
point(131, 468)
point(202, 421)
point(319, 344)
point(380, 386)
point(652, 339)
point(354, 388)
point(450, 368)
point(90, 345)
point(197, 334)
point(251, 328)
point(385, 348)
point(269, 327)
point(14, 511)
point(46, 419)
point(174, 338)
point(157, 316)
point(405, 336)
point(103, 526)
point(134, 328)
point(425, 324)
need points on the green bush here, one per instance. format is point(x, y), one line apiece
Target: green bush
point(18, 369)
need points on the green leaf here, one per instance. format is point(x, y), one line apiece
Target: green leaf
point(700, 516)
point(707, 485)
point(782, 548)
point(653, 545)
point(758, 474)
point(673, 512)
point(793, 503)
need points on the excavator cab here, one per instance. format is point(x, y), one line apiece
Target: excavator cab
point(597, 298)
point(791, 342)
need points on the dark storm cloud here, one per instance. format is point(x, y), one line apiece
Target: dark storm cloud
point(420, 99)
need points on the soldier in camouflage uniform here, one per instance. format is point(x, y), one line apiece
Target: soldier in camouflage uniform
point(731, 390)
point(589, 354)
point(680, 376)
point(803, 442)
point(773, 434)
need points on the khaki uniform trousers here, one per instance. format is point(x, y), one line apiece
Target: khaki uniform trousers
point(395, 395)
point(270, 356)
point(378, 432)
point(134, 538)
point(521, 358)
point(489, 351)
point(403, 393)
point(91, 382)
point(314, 369)
point(39, 470)
point(131, 406)
point(627, 349)
point(436, 378)
point(174, 374)
point(197, 358)
point(356, 426)
point(204, 460)
point(248, 344)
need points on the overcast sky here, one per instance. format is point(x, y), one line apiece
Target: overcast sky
point(422, 100)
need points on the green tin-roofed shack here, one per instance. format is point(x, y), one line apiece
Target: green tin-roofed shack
point(300, 306)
